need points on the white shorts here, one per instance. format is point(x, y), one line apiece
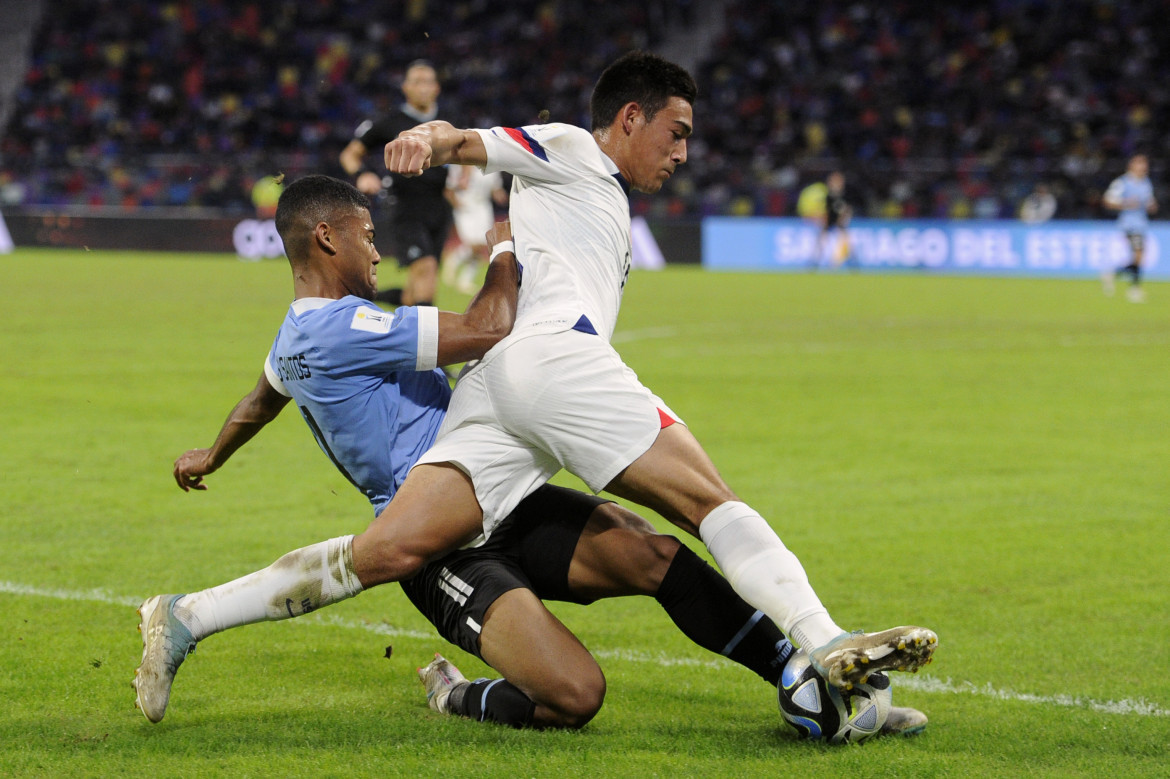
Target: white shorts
point(537, 403)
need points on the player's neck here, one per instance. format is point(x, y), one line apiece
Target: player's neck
point(420, 113)
point(611, 144)
point(310, 283)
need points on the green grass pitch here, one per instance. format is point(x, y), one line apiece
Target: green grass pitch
point(987, 457)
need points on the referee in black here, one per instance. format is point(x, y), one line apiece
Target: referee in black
point(420, 215)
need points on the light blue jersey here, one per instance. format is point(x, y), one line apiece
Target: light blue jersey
point(1136, 192)
point(366, 384)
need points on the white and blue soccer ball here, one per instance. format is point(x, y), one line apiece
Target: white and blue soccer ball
point(821, 712)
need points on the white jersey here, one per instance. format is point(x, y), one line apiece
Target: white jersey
point(474, 212)
point(573, 237)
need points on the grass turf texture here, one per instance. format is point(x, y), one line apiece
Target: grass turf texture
point(984, 456)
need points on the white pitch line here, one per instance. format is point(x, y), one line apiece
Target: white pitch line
point(89, 596)
point(927, 684)
point(1125, 706)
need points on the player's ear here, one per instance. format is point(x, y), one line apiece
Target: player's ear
point(630, 115)
point(323, 235)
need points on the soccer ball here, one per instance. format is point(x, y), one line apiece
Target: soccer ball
point(820, 711)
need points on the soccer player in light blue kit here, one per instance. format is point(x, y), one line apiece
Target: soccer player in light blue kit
point(562, 395)
point(1132, 196)
point(366, 384)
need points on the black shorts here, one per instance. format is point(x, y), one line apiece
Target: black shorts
point(531, 550)
point(414, 239)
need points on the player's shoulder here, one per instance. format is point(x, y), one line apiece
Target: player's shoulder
point(550, 130)
point(561, 135)
point(347, 313)
point(551, 135)
point(357, 313)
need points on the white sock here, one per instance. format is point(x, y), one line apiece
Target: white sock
point(303, 580)
point(765, 574)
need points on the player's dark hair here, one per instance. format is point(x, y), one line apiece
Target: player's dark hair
point(310, 200)
point(642, 78)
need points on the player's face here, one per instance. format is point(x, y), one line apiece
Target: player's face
point(357, 258)
point(659, 146)
point(421, 87)
point(1139, 166)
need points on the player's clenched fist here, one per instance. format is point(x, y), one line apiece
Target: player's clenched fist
point(408, 154)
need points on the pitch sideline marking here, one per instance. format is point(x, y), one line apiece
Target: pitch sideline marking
point(926, 684)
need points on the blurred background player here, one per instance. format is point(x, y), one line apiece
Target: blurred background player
point(835, 234)
point(823, 203)
point(420, 215)
point(1132, 196)
point(1039, 206)
point(811, 205)
point(474, 196)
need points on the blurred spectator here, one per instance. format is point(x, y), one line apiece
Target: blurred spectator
point(265, 194)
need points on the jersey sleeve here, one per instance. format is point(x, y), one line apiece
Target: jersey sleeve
point(379, 343)
point(548, 152)
point(274, 377)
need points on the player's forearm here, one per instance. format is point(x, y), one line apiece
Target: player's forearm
point(448, 143)
point(493, 309)
point(250, 415)
point(488, 318)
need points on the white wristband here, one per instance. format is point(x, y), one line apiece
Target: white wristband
point(501, 247)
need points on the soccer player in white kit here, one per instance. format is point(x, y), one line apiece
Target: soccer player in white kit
point(555, 394)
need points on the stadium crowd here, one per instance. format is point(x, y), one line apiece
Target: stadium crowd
point(929, 109)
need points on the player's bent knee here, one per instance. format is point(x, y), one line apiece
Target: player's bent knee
point(578, 702)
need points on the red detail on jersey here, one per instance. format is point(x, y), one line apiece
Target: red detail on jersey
point(526, 141)
point(666, 419)
point(515, 135)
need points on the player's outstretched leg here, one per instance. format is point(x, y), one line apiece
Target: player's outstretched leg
point(852, 657)
point(439, 678)
point(166, 642)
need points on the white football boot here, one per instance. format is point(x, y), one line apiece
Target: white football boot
point(166, 642)
point(440, 678)
point(852, 657)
